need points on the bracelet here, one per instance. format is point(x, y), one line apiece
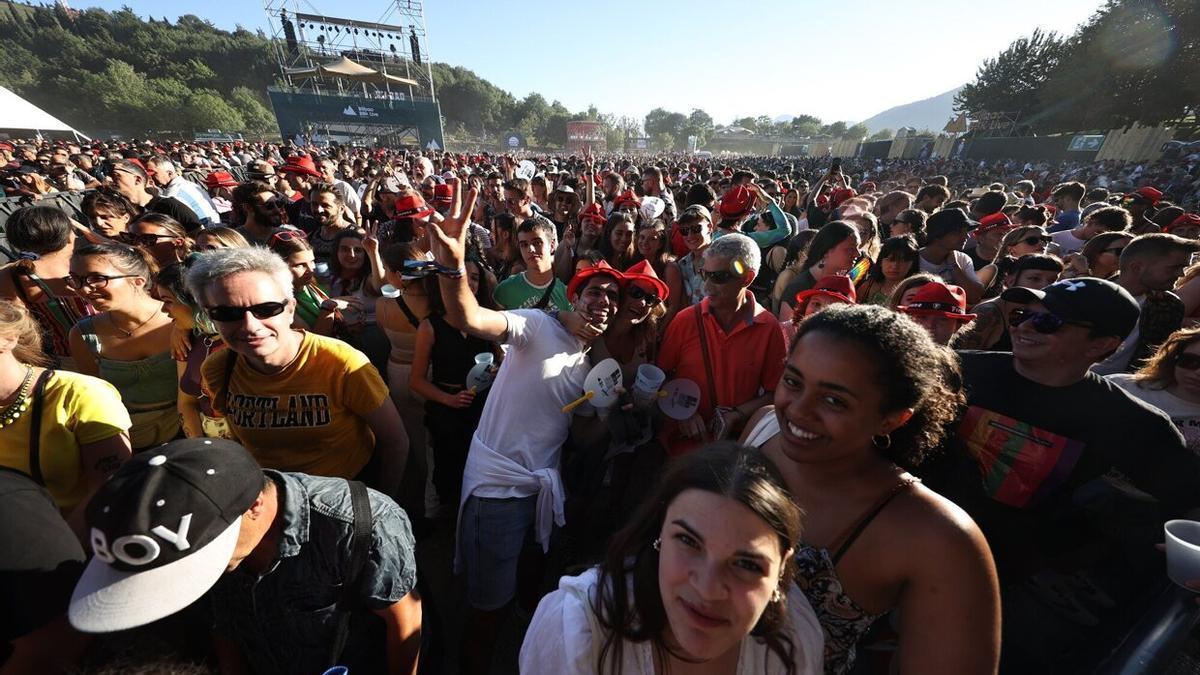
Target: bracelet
point(452, 272)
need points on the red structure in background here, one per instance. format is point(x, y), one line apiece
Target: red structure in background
point(582, 134)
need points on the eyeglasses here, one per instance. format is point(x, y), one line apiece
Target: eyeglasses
point(638, 293)
point(1037, 241)
point(142, 239)
point(1188, 361)
point(1042, 322)
point(263, 310)
point(718, 277)
point(287, 235)
point(94, 280)
point(689, 231)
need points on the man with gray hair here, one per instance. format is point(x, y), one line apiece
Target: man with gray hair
point(170, 184)
point(727, 343)
point(130, 180)
point(296, 400)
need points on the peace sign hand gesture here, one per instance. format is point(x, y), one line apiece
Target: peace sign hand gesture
point(370, 241)
point(448, 242)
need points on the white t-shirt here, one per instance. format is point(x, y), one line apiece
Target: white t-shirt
point(1185, 414)
point(956, 259)
point(543, 370)
point(565, 637)
point(1067, 242)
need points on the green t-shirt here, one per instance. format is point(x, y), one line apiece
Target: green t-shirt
point(516, 292)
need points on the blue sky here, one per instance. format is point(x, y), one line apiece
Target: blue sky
point(836, 60)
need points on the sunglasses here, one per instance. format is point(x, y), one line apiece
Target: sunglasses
point(1042, 322)
point(287, 235)
point(689, 231)
point(718, 277)
point(263, 310)
point(143, 239)
point(637, 293)
point(276, 203)
point(1188, 361)
point(1037, 241)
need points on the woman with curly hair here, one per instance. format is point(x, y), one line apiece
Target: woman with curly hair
point(698, 582)
point(865, 396)
point(1170, 381)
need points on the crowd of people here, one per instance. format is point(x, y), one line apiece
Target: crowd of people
point(925, 415)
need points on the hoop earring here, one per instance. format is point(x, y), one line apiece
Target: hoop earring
point(657, 545)
point(884, 444)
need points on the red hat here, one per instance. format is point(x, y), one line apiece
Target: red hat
point(840, 195)
point(301, 164)
point(218, 179)
point(627, 198)
point(412, 205)
point(836, 286)
point(938, 299)
point(643, 273)
point(995, 221)
point(1152, 195)
point(594, 212)
point(736, 203)
point(138, 162)
point(1185, 220)
point(443, 194)
point(868, 186)
point(581, 277)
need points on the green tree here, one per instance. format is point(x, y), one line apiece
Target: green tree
point(258, 119)
point(857, 132)
point(882, 135)
point(836, 130)
point(207, 109)
point(660, 121)
point(1014, 81)
point(662, 141)
point(805, 126)
point(700, 125)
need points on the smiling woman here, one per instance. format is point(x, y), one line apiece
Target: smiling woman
point(698, 582)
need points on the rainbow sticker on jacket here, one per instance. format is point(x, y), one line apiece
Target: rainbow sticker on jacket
point(1019, 463)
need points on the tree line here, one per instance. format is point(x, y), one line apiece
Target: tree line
point(1132, 61)
point(115, 72)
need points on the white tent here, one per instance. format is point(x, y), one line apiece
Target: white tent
point(17, 113)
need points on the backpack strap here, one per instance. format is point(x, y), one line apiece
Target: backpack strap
point(708, 365)
point(360, 547)
point(545, 301)
point(35, 429)
point(223, 399)
point(408, 313)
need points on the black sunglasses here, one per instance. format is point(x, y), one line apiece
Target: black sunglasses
point(638, 293)
point(689, 231)
point(94, 280)
point(275, 203)
point(1188, 361)
point(1037, 241)
point(1042, 322)
point(142, 239)
point(718, 277)
point(263, 310)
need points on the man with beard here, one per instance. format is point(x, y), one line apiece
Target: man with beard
point(130, 180)
point(262, 211)
point(512, 492)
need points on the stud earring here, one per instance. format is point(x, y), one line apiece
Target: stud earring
point(657, 545)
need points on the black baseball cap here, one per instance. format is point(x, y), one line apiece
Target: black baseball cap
point(1107, 307)
point(163, 530)
point(946, 221)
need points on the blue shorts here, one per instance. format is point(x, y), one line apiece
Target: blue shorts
point(491, 536)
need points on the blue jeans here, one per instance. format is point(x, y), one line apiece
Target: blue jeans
point(492, 534)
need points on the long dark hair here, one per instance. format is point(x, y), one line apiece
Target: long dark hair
point(335, 263)
point(827, 239)
point(629, 604)
point(901, 246)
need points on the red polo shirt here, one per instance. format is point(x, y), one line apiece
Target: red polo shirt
point(746, 362)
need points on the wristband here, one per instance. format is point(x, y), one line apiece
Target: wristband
point(451, 272)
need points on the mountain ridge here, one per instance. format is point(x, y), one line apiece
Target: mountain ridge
point(931, 113)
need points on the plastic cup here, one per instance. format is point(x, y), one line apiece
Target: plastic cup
point(1183, 551)
point(649, 380)
point(389, 291)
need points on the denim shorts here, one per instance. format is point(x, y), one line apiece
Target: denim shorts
point(493, 532)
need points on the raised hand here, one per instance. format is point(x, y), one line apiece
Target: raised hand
point(448, 242)
point(370, 241)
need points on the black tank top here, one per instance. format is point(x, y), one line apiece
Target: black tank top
point(453, 355)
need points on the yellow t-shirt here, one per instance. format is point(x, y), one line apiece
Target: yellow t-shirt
point(309, 417)
point(76, 410)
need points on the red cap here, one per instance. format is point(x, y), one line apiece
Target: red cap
point(594, 212)
point(837, 286)
point(581, 277)
point(218, 179)
point(868, 186)
point(443, 194)
point(643, 274)
point(627, 198)
point(301, 164)
point(1185, 220)
point(1150, 194)
point(736, 203)
point(937, 298)
point(412, 205)
point(995, 221)
point(840, 195)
